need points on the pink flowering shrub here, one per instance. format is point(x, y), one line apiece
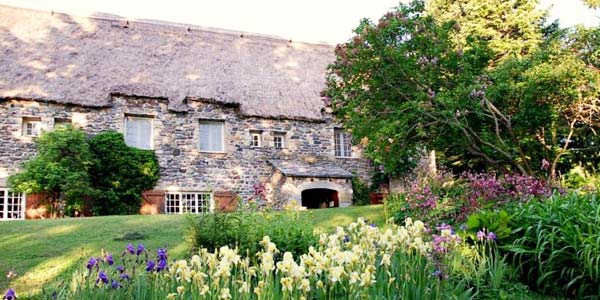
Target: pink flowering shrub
point(444, 198)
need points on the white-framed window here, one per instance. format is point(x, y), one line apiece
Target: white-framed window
point(188, 202)
point(279, 140)
point(343, 143)
point(139, 132)
point(255, 138)
point(212, 136)
point(32, 126)
point(12, 205)
point(61, 122)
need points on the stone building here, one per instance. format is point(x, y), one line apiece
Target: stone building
point(227, 113)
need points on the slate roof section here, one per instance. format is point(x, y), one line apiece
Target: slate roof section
point(68, 59)
point(319, 169)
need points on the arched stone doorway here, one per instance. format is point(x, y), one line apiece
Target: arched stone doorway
point(320, 198)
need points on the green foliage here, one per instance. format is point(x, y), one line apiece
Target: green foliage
point(407, 83)
point(498, 221)
point(59, 170)
point(361, 192)
point(290, 230)
point(512, 27)
point(386, 82)
point(120, 173)
point(557, 248)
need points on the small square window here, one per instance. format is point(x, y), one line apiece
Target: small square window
point(32, 126)
point(279, 140)
point(255, 139)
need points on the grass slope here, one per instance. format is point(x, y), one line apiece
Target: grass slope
point(48, 251)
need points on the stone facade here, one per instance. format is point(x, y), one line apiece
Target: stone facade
point(239, 169)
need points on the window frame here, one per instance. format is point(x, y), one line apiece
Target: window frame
point(213, 121)
point(343, 140)
point(279, 135)
point(31, 121)
point(5, 195)
point(137, 117)
point(181, 202)
point(255, 138)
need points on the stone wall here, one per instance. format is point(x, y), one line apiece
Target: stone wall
point(176, 138)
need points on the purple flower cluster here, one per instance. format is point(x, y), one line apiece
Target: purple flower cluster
point(121, 274)
point(447, 238)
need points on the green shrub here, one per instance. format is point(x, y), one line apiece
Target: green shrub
point(290, 230)
point(498, 222)
point(59, 170)
point(119, 174)
point(558, 248)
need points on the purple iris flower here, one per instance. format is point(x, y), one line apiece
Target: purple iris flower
point(480, 235)
point(109, 259)
point(114, 284)
point(491, 236)
point(162, 265)
point(130, 249)
point(162, 254)
point(91, 263)
point(124, 277)
point(102, 277)
point(150, 266)
point(121, 269)
point(140, 249)
point(10, 295)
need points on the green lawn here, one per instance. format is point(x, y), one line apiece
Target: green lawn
point(44, 251)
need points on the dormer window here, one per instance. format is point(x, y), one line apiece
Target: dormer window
point(32, 126)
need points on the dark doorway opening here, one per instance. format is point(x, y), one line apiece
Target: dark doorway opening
point(320, 198)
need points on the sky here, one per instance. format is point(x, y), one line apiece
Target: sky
point(321, 21)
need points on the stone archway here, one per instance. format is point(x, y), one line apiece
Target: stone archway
point(319, 198)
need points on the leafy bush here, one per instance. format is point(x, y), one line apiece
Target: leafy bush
point(59, 170)
point(558, 247)
point(119, 174)
point(290, 230)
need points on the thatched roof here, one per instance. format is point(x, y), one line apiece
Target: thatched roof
point(83, 60)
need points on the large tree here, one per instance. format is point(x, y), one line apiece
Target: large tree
point(59, 171)
point(407, 84)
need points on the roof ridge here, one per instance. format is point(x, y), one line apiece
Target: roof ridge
point(170, 24)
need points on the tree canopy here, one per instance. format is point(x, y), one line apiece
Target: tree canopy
point(511, 27)
point(419, 79)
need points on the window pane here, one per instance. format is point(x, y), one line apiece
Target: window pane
point(138, 133)
point(211, 136)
